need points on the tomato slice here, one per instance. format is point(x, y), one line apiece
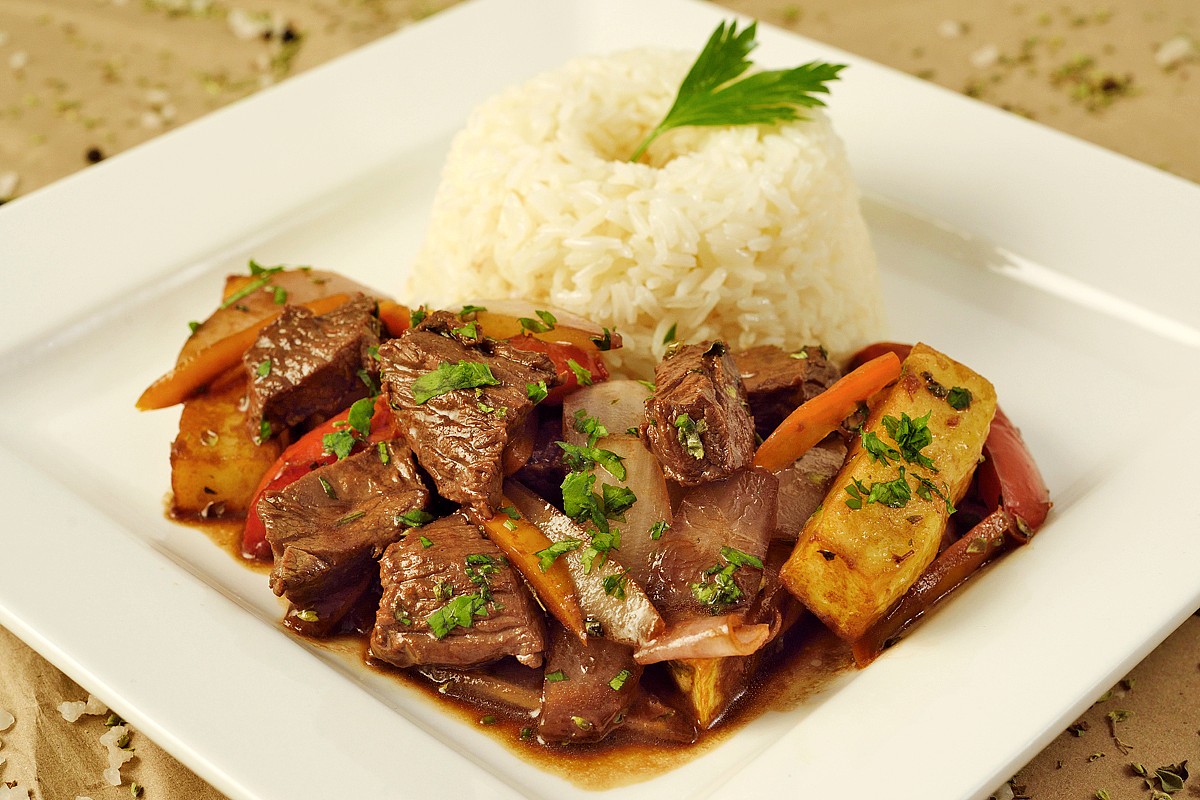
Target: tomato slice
point(588, 365)
point(305, 455)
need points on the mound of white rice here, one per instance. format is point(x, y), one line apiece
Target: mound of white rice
point(750, 234)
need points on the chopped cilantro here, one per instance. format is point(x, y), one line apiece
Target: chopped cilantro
point(449, 377)
point(658, 528)
point(583, 376)
point(689, 432)
point(878, 449)
point(959, 398)
point(536, 392)
point(414, 518)
point(556, 676)
point(545, 322)
point(911, 436)
point(547, 557)
point(619, 680)
point(460, 612)
point(604, 341)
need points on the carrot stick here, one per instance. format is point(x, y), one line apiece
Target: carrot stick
point(816, 419)
point(196, 372)
point(521, 540)
point(395, 317)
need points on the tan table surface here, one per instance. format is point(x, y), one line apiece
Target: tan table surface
point(85, 79)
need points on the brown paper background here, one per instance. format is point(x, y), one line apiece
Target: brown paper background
point(81, 79)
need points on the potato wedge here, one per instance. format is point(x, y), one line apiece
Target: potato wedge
point(880, 525)
point(215, 465)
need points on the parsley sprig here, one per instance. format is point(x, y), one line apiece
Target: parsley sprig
point(712, 94)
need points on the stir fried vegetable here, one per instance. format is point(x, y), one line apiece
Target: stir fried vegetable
point(512, 506)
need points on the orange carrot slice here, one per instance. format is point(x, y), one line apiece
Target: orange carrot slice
point(191, 375)
point(395, 317)
point(816, 419)
point(521, 541)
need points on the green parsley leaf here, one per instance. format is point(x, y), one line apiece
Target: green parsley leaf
point(590, 426)
point(417, 316)
point(617, 500)
point(264, 432)
point(583, 376)
point(262, 275)
point(580, 458)
point(658, 528)
point(911, 436)
point(669, 336)
point(536, 392)
point(414, 518)
point(263, 368)
point(556, 676)
point(959, 398)
point(545, 322)
point(279, 295)
point(426, 542)
point(346, 520)
point(739, 558)
point(614, 585)
point(547, 557)
point(327, 487)
point(619, 680)
point(878, 449)
point(712, 95)
point(449, 377)
point(193, 325)
point(467, 310)
point(689, 435)
point(604, 341)
point(460, 612)
point(468, 331)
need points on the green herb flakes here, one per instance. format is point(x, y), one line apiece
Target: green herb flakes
point(449, 377)
point(690, 432)
point(619, 680)
point(959, 398)
point(583, 376)
point(547, 557)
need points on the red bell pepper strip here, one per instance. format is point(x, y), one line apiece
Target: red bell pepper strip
point(588, 364)
point(303, 456)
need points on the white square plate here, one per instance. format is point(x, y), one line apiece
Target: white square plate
point(1067, 275)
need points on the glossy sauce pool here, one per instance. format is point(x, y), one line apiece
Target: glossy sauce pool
point(809, 659)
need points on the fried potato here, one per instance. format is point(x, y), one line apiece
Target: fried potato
point(882, 521)
point(215, 464)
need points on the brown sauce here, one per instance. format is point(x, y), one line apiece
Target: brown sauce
point(809, 659)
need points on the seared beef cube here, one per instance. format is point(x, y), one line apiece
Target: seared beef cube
point(705, 561)
point(699, 424)
point(804, 484)
point(459, 398)
point(588, 688)
point(328, 527)
point(546, 468)
point(450, 598)
point(305, 366)
point(777, 382)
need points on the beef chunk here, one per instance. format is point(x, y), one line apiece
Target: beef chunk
point(451, 599)
point(327, 527)
point(699, 424)
point(459, 434)
point(804, 484)
point(588, 688)
point(546, 468)
point(305, 367)
point(691, 572)
point(777, 381)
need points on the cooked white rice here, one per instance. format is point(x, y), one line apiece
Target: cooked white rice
point(751, 234)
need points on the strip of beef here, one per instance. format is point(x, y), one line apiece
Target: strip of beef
point(450, 598)
point(703, 562)
point(588, 689)
point(803, 485)
point(699, 425)
point(328, 527)
point(777, 381)
point(546, 468)
point(307, 367)
point(471, 395)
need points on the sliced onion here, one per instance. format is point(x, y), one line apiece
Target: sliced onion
point(631, 619)
point(706, 637)
point(618, 404)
